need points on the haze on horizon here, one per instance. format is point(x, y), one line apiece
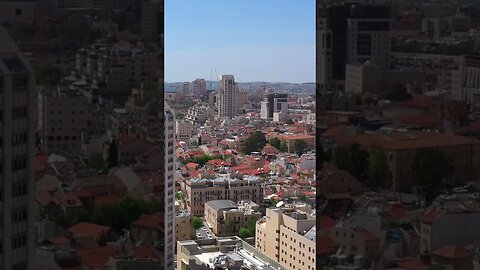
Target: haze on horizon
point(257, 41)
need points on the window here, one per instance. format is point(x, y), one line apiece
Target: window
point(19, 164)
point(19, 83)
point(19, 240)
point(19, 112)
point(18, 11)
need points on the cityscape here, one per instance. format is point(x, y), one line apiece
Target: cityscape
point(239, 135)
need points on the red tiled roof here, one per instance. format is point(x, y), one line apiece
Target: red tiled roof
point(333, 131)
point(298, 137)
point(59, 240)
point(85, 229)
point(143, 252)
point(412, 264)
point(326, 222)
point(325, 245)
point(453, 252)
point(96, 258)
point(194, 174)
point(192, 165)
point(154, 221)
point(404, 140)
point(432, 215)
point(107, 199)
point(219, 163)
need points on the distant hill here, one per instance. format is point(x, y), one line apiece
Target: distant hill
point(278, 87)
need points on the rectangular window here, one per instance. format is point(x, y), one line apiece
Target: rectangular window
point(19, 83)
point(19, 112)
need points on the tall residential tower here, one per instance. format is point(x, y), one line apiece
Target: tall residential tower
point(227, 97)
point(17, 122)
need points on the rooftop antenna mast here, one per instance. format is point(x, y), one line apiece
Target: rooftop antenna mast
point(211, 79)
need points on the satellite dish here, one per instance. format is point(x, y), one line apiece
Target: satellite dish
point(279, 204)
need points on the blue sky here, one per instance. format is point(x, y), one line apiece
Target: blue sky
point(255, 40)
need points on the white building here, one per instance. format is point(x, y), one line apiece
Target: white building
point(169, 189)
point(227, 97)
point(17, 142)
point(466, 79)
point(199, 113)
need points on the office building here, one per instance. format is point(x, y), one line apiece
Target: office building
point(227, 97)
point(273, 103)
point(199, 87)
point(62, 118)
point(288, 235)
point(348, 34)
point(17, 141)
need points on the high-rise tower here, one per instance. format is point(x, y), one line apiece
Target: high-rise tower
point(17, 122)
point(227, 97)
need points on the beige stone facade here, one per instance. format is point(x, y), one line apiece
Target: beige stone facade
point(288, 235)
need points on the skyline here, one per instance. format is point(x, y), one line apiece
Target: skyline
point(260, 46)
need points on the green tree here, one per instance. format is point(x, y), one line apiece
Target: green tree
point(96, 162)
point(353, 159)
point(283, 146)
point(112, 155)
point(275, 142)
point(430, 167)
point(248, 230)
point(398, 93)
point(48, 75)
point(180, 196)
point(379, 173)
point(289, 121)
point(255, 142)
point(299, 146)
point(179, 116)
point(196, 222)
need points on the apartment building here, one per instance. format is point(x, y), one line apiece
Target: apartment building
point(17, 141)
point(234, 187)
point(183, 228)
point(169, 186)
point(227, 97)
point(225, 218)
point(62, 117)
point(401, 147)
point(288, 235)
point(466, 79)
point(437, 224)
point(17, 12)
point(185, 130)
point(199, 113)
point(199, 87)
point(118, 68)
point(274, 103)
